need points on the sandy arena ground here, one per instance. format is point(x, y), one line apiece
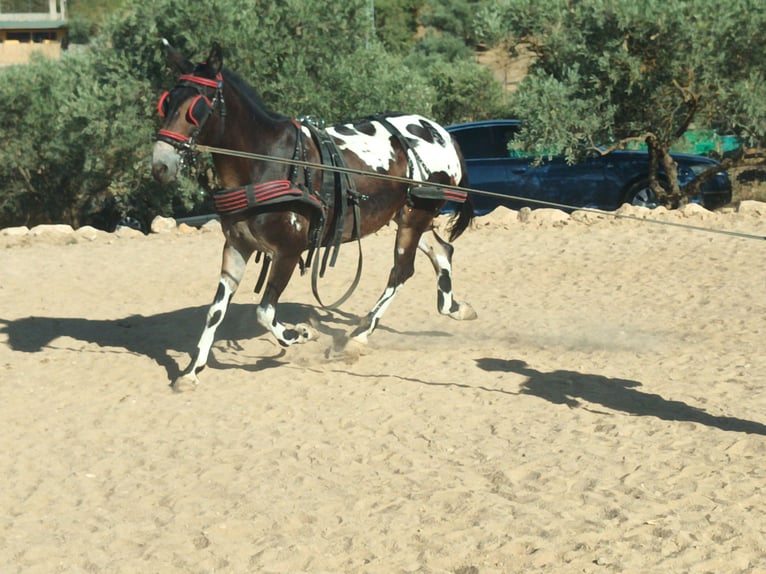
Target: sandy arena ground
point(606, 412)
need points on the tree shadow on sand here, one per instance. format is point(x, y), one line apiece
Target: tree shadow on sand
point(566, 387)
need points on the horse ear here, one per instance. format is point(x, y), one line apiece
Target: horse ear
point(215, 59)
point(176, 59)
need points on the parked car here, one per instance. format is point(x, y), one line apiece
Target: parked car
point(600, 181)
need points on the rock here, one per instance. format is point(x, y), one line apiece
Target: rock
point(695, 210)
point(212, 225)
point(15, 231)
point(51, 230)
point(587, 217)
point(639, 211)
point(752, 207)
point(163, 224)
point(89, 233)
point(548, 216)
point(127, 232)
point(499, 217)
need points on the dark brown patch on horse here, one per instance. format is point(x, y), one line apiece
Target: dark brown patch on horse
point(345, 130)
point(426, 132)
point(367, 128)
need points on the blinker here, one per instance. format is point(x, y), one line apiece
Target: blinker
point(198, 111)
point(162, 105)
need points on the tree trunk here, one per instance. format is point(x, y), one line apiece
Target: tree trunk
point(666, 188)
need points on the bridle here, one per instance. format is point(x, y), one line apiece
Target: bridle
point(209, 98)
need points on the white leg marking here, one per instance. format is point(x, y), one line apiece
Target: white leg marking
point(214, 317)
point(301, 333)
point(377, 312)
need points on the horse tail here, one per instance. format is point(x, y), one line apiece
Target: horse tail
point(461, 219)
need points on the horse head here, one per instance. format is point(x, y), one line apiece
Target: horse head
point(185, 111)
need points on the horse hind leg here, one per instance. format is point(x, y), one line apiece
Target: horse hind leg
point(232, 270)
point(440, 254)
point(411, 225)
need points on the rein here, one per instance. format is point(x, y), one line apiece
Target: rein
point(456, 192)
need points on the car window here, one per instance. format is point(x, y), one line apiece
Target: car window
point(485, 142)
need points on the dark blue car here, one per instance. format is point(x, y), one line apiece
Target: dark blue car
point(600, 181)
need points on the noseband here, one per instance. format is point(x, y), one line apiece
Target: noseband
point(201, 108)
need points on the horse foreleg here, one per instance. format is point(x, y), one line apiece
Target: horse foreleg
point(232, 269)
point(282, 268)
point(440, 254)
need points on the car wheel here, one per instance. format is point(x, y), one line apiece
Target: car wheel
point(641, 194)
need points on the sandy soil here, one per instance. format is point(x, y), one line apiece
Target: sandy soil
point(606, 412)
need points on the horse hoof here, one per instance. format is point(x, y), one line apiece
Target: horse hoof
point(306, 332)
point(353, 349)
point(464, 313)
point(185, 383)
point(349, 352)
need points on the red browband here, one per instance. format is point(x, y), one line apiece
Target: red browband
point(202, 81)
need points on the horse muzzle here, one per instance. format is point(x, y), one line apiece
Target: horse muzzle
point(166, 162)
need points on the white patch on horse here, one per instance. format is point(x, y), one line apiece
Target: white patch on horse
point(435, 156)
point(295, 222)
point(374, 150)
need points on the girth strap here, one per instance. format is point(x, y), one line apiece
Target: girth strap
point(229, 201)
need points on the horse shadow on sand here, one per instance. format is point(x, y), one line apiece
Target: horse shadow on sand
point(162, 336)
point(570, 388)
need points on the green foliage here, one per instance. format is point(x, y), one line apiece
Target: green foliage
point(85, 17)
point(76, 137)
point(396, 23)
point(437, 47)
point(611, 71)
point(452, 17)
point(658, 64)
point(77, 134)
point(368, 81)
point(464, 92)
point(569, 123)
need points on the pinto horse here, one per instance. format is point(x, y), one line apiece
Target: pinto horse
point(282, 211)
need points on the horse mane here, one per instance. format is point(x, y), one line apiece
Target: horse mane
point(248, 94)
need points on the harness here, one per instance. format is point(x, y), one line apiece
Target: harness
point(337, 192)
point(209, 98)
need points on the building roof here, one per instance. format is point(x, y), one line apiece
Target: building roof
point(32, 24)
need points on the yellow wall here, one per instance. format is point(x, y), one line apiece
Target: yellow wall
point(18, 53)
point(15, 52)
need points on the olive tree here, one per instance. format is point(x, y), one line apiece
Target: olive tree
point(77, 133)
point(612, 72)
